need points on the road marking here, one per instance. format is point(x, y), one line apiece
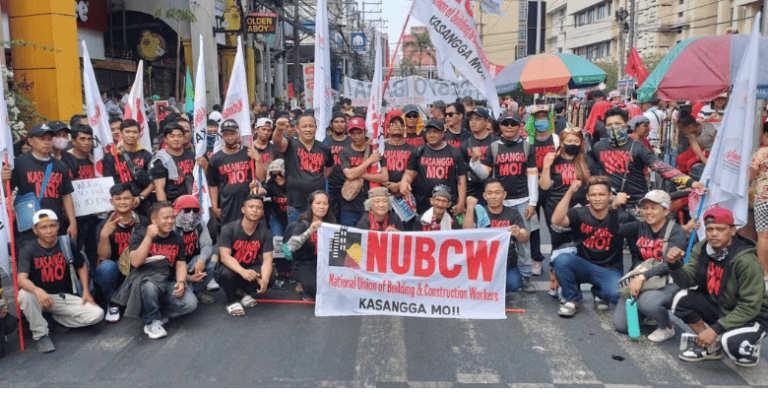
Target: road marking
point(381, 354)
point(566, 365)
point(471, 366)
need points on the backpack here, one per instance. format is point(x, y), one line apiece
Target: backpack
point(655, 283)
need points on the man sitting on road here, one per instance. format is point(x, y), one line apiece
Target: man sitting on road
point(438, 218)
point(201, 258)
point(729, 296)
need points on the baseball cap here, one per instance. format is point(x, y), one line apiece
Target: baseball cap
point(57, 125)
point(338, 114)
point(719, 215)
point(264, 122)
point(723, 95)
point(637, 120)
point(43, 215)
point(40, 130)
point(509, 116)
point(229, 124)
point(539, 108)
point(480, 111)
point(356, 123)
point(410, 108)
point(441, 191)
point(435, 124)
point(293, 122)
point(658, 196)
point(184, 202)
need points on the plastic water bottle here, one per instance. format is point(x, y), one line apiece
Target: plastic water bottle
point(633, 322)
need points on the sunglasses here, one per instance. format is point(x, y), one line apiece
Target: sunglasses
point(277, 174)
point(190, 210)
point(510, 123)
point(450, 114)
point(412, 115)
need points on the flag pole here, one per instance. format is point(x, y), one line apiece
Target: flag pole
point(698, 215)
point(394, 55)
point(13, 256)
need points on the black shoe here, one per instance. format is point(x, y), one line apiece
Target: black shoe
point(44, 345)
point(280, 284)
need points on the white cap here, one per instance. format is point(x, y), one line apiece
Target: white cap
point(263, 122)
point(43, 215)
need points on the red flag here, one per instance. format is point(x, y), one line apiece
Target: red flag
point(635, 67)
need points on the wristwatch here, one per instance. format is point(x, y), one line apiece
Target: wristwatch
point(141, 197)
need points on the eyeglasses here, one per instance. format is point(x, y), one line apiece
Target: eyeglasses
point(190, 210)
point(450, 114)
point(412, 115)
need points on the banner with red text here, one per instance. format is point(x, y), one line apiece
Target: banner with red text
point(134, 108)
point(442, 274)
point(97, 115)
point(309, 83)
point(236, 104)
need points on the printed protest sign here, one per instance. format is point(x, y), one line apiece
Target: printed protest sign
point(92, 195)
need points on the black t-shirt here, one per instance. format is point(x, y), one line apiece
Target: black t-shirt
point(542, 148)
point(351, 158)
point(305, 170)
point(232, 174)
point(419, 226)
point(392, 221)
point(475, 185)
point(563, 173)
point(307, 251)
point(436, 167)
point(337, 178)
point(171, 248)
point(120, 173)
point(510, 166)
point(650, 243)
point(191, 240)
point(28, 175)
point(47, 267)
point(397, 160)
point(247, 249)
point(415, 140)
point(278, 204)
point(456, 139)
point(120, 239)
point(177, 188)
point(598, 241)
point(85, 169)
point(507, 218)
point(268, 154)
point(71, 161)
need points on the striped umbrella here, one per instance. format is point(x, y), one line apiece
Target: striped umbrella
point(701, 68)
point(548, 72)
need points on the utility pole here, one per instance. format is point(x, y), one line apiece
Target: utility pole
point(632, 20)
point(538, 27)
point(297, 74)
point(621, 16)
point(764, 17)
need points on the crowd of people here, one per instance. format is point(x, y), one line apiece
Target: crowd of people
point(530, 169)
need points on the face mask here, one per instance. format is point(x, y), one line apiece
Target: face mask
point(618, 135)
point(717, 256)
point(186, 221)
point(541, 125)
point(572, 150)
point(59, 143)
point(210, 140)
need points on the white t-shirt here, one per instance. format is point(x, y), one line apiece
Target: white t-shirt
point(655, 116)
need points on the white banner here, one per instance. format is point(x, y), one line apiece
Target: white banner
point(236, 104)
point(373, 119)
point(322, 101)
point(492, 7)
point(309, 83)
point(97, 114)
point(452, 30)
point(730, 157)
point(411, 90)
point(6, 136)
point(92, 195)
point(200, 121)
point(201, 183)
point(450, 274)
point(5, 233)
point(135, 109)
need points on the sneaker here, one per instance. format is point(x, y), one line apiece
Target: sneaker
point(691, 352)
point(537, 268)
point(212, 285)
point(155, 330)
point(528, 286)
point(568, 309)
point(600, 304)
point(113, 314)
point(280, 284)
point(164, 319)
point(306, 297)
point(291, 278)
point(662, 334)
point(649, 322)
point(509, 297)
point(299, 288)
point(205, 297)
point(44, 345)
point(749, 355)
point(57, 328)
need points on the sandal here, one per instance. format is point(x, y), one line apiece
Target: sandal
point(235, 309)
point(568, 309)
point(249, 302)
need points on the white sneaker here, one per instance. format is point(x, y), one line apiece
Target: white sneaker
point(662, 334)
point(113, 314)
point(537, 268)
point(155, 330)
point(212, 285)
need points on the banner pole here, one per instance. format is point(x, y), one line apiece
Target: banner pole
point(698, 216)
point(13, 257)
point(394, 55)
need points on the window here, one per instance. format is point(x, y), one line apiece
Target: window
point(522, 35)
point(609, 8)
point(523, 10)
point(680, 14)
point(608, 49)
point(601, 12)
point(561, 25)
point(582, 19)
point(599, 51)
point(682, 2)
point(591, 16)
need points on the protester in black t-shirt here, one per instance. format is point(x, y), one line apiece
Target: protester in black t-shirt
point(230, 173)
point(413, 135)
point(28, 176)
point(379, 217)
point(172, 167)
point(159, 245)
point(475, 148)
point(455, 133)
point(275, 189)
point(60, 142)
point(129, 146)
point(302, 242)
point(437, 217)
point(396, 150)
point(598, 259)
point(245, 247)
point(502, 217)
point(356, 166)
point(114, 128)
point(436, 163)
point(82, 140)
point(337, 141)
point(45, 283)
point(114, 234)
point(307, 164)
point(201, 257)
point(262, 142)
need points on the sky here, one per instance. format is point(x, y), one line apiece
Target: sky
point(394, 12)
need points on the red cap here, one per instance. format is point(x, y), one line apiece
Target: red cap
point(719, 215)
point(185, 201)
point(356, 123)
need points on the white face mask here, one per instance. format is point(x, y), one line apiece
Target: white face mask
point(187, 221)
point(59, 143)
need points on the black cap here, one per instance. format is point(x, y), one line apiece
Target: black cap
point(437, 124)
point(338, 114)
point(229, 124)
point(57, 125)
point(40, 130)
point(481, 112)
point(509, 115)
point(293, 122)
point(410, 108)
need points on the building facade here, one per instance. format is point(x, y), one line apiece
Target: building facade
point(509, 38)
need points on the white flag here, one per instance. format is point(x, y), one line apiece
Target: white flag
point(453, 32)
point(6, 136)
point(492, 7)
point(97, 114)
point(729, 160)
point(5, 233)
point(200, 187)
point(321, 99)
point(373, 115)
point(236, 103)
point(135, 109)
point(200, 120)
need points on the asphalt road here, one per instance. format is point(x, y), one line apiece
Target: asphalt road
point(279, 345)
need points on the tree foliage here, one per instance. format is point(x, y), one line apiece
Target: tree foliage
point(421, 45)
point(612, 69)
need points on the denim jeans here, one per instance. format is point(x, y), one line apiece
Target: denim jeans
point(524, 260)
point(294, 213)
point(350, 218)
point(108, 277)
point(571, 271)
point(514, 280)
point(276, 227)
point(654, 304)
point(335, 202)
point(210, 266)
point(154, 298)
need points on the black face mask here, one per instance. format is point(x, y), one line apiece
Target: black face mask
point(571, 150)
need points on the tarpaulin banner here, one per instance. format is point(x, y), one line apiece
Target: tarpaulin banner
point(411, 90)
point(309, 82)
point(444, 274)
